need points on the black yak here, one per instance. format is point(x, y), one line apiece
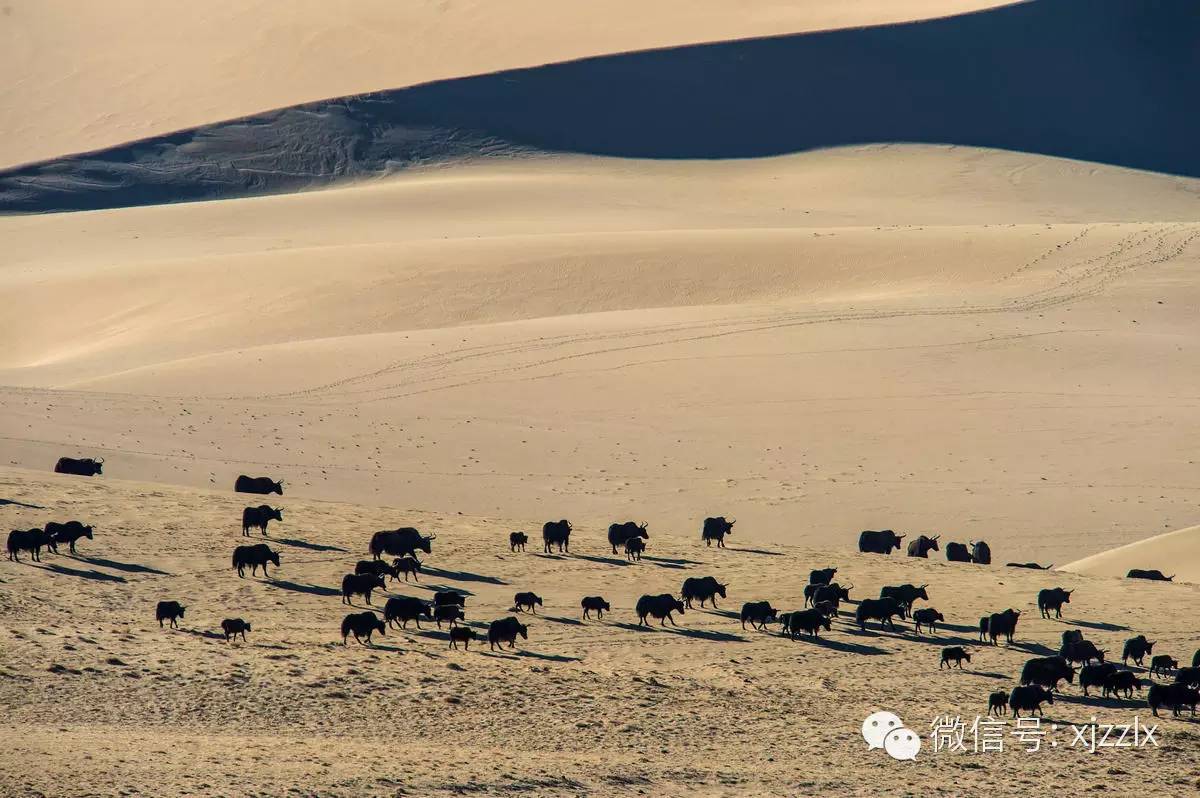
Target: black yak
point(1154, 574)
point(85, 467)
point(905, 594)
point(517, 540)
point(634, 548)
point(759, 614)
point(403, 609)
point(169, 611)
point(402, 542)
point(595, 604)
point(821, 576)
point(878, 542)
point(461, 634)
point(1162, 663)
point(998, 703)
point(809, 622)
point(953, 655)
point(258, 518)
point(557, 533)
point(981, 553)
point(832, 593)
point(1052, 598)
point(406, 566)
point(1081, 651)
point(881, 609)
point(376, 567)
point(362, 624)
point(506, 630)
point(448, 613)
point(1000, 623)
point(527, 602)
point(68, 533)
point(1122, 682)
point(1174, 696)
point(716, 529)
point(926, 616)
point(361, 585)
point(232, 627)
point(259, 485)
point(1136, 648)
point(619, 533)
point(922, 546)
point(660, 606)
point(702, 589)
point(1047, 671)
point(444, 598)
point(957, 552)
point(1029, 698)
point(30, 540)
point(254, 556)
point(1095, 675)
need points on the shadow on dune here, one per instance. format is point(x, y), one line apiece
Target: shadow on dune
point(461, 576)
point(123, 566)
point(1105, 627)
point(315, 590)
point(304, 544)
point(1095, 80)
point(602, 560)
point(840, 645)
point(16, 503)
point(98, 576)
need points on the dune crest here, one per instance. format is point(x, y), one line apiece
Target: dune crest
point(1174, 553)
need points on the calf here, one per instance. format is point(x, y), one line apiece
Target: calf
point(1121, 682)
point(461, 634)
point(232, 627)
point(595, 604)
point(405, 609)
point(759, 614)
point(1095, 675)
point(953, 655)
point(169, 611)
point(517, 540)
point(826, 608)
point(1136, 649)
point(998, 703)
point(809, 622)
point(1029, 698)
point(406, 566)
point(1176, 696)
point(634, 547)
point(377, 568)
point(362, 624)
point(1163, 663)
point(449, 613)
point(527, 602)
point(926, 616)
point(361, 585)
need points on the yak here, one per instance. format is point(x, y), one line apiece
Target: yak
point(821, 576)
point(461, 634)
point(1163, 663)
point(1031, 565)
point(444, 598)
point(405, 609)
point(527, 602)
point(1122, 682)
point(1052, 598)
point(448, 613)
point(927, 616)
point(1095, 675)
point(254, 556)
point(406, 566)
point(999, 623)
point(557, 533)
point(506, 630)
point(981, 552)
point(595, 604)
point(1030, 698)
point(809, 622)
point(953, 655)
point(880, 609)
point(401, 542)
point(1081, 651)
point(702, 589)
point(634, 547)
point(517, 540)
point(619, 533)
point(85, 467)
point(1175, 696)
point(957, 552)
point(1196, 659)
point(998, 703)
point(881, 542)
point(258, 518)
point(376, 567)
point(68, 533)
point(1072, 636)
point(759, 614)
point(259, 485)
point(1047, 671)
point(922, 546)
point(1154, 574)
point(716, 529)
point(232, 627)
point(832, 593)
point(169, 611)
point(905, 594)
point(361, 585)
point(660, 606)
point(362, 624)
point(1189, 676)
point(30, 540)
point(1136, 648)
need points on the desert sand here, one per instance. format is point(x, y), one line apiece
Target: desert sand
point(535, 287)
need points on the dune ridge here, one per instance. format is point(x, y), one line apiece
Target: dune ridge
point(1175, 553)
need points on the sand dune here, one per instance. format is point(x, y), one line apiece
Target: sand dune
point(581, 707)
point(1175, 554)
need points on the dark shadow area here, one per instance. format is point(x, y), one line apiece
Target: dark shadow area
point(304, 544)
point(208, 634)
point(432, 588)
point(1096, 80)
point(755, 551)
point(562, 620)
point(670, 560)
point(723, 613)
point(988, 674)
point(636, 627)
point(122, 566)
point(462, 576)
point(549, 657)
point(603, 560)
point(16, 503)
point(315, 590)
point(98, 576)
point(940, 641)
point(1104, 627)
point(551, 556)
point(706, 634)
point(839, 645)
point(1033, 648)
point(960, 627)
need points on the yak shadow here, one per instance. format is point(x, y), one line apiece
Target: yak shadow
point(705, 634)
point(98, 576)
point(763, 552)
point(123, 566)
point(433, 588)
point(16, 503)
point(839, 645)
point(1033, 648)
point(671, 562)
point(567, 621)
point(315, 590)
point(462, 576)
point(958, 627)
point(722, 613)
point(603, 560)
point(205, 633)
point(637, 627)
point(987, 674)
point(942, 641)
point(304, 544)
point(1100, 625)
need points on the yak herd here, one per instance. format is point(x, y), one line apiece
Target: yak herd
point(1040, 677)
